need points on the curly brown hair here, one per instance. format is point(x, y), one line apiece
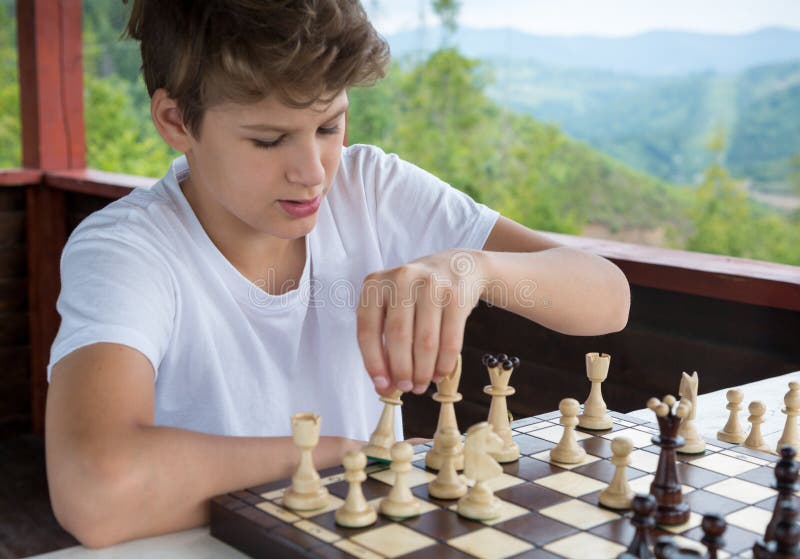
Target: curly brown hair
point(210, 51)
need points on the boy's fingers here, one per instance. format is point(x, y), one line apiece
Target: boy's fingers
point(450, 340)
point(427, 322)
point(398, 333)
point(369, 319)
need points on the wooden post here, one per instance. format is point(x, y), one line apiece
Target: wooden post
point(53, 138)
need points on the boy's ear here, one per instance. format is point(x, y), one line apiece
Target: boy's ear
point(168, 120)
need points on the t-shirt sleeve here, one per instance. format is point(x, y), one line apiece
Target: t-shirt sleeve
point(417, 214)
point(113, 290)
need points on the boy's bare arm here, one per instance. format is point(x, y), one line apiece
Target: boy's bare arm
point(564, 289)
point(411, 319)
point(115, 476)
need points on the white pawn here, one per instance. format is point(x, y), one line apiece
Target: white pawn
point(595, 414)
point(733, 432)
point(355, 512)
point(401, 502)
point(693, 442)
point(448, 484)
point(567, 451)
point(754, 440)
point(618, 494)
point(382, 439)
point(447, 395)
point(792, 410)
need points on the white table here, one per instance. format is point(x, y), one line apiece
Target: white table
point(198, 543)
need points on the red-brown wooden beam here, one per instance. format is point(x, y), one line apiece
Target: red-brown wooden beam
point(96, 183)
point(20, 177)
point(53, 137)
point(710, 275)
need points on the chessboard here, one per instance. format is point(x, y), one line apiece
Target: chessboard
point(549, 510)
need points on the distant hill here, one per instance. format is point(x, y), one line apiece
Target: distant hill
point(658, 53)
point(662, 125)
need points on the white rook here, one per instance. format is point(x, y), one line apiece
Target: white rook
point(595, 414)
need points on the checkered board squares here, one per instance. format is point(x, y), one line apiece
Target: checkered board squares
point(585, 545)
point(548, 510)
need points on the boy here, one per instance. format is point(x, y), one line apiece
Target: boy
point(269, 272)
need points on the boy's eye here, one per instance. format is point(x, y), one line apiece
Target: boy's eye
point(262, 144)
point(266, 145)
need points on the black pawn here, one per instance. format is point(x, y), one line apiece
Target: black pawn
point(787, 535)
point(787, 532)
point(786, 484)
point(643, 508)
point(713, 527)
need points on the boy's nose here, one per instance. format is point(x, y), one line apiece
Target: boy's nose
point(306, 166)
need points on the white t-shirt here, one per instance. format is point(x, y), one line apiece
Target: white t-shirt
point(230, 358)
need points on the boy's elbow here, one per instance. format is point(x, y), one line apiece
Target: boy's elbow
point(88, 502)
point(620, 302)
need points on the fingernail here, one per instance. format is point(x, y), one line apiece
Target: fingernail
point(380, 382)
point(437, 379)
point(420, 388)
point(405, 385)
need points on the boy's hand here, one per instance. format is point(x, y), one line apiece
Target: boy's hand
point(411, 318)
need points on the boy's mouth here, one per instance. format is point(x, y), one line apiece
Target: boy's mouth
point(301, 208)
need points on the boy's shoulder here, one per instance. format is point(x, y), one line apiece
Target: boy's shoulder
point(366, 155)
point(146, 213)
point(356, 154)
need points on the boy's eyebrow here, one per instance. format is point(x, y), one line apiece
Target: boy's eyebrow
point(271, 128)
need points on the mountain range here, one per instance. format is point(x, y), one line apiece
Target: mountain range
point(653, 101)
point(657, 53)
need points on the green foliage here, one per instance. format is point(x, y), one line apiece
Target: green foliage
point(10, 131)
point(725, 222)
point(767, 131)
point(447, 10)
point(437, 115)
point(659, 125)
point(119, 136)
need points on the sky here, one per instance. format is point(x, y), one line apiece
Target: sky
point(609, 18)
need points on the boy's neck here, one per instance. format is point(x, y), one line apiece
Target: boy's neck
point(272, 263)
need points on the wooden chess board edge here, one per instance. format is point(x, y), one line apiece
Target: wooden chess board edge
point(229, 527)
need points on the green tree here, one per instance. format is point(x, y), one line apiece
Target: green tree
point(119, 137)
point(726, 222)
point(10, 131)
point(721, 212)
point(447, 12)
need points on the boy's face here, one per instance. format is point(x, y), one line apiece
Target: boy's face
point(265, 167)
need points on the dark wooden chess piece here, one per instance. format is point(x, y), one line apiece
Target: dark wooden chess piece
point(643, 507)
point(666, 486)
point(713, 528)
point(785, 483)
point(786, 533)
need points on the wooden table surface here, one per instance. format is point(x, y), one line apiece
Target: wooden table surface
point(198, 543)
